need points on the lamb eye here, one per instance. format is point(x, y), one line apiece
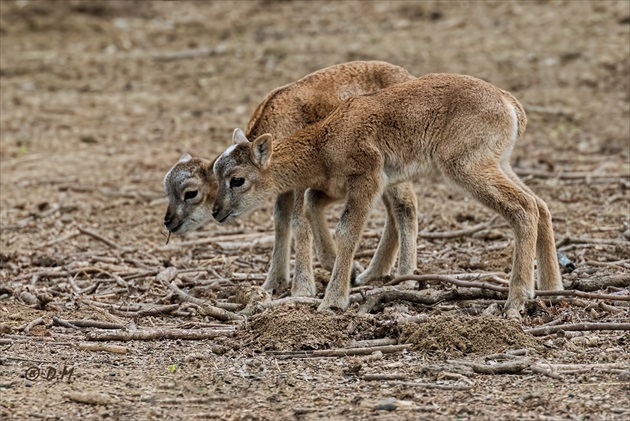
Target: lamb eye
point(190, 194)
point(237, 182)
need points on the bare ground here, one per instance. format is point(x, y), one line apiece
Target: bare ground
point(99, 99)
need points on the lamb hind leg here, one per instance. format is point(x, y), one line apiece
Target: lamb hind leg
point(549, 277)
point(399, 235)
point(405, 207)
point(385, 254)
point(325, 246)
point(490, 186)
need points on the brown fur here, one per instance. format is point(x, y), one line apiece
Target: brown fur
point(282, 112)
point(455, 125)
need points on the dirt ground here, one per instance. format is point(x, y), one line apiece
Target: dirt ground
point(99, 99)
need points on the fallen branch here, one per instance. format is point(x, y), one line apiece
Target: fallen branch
point(117, 349)
point(548, 330)
point(623, 280)
point(92, 398)
point(104, 312)
point(341, 352)
point(98, 237)
point(434, 386)
point(509, 367)
point(545, 371)
point(373, 342)
point(205, 308)
point(377, 377)
point(610, 309)
point(296, 300)
point(387, 295)
point(149, 335)
point(152, 311)
point(96, 323)
point(572, 293)
point(57, 321)
point(449, 279)
point(32, 324)
point(619, 281)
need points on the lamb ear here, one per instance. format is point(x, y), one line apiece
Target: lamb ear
point(239, 137)
point(185, 157)
point(261, 150)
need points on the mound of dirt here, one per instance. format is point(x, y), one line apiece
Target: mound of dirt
point(466, 335)
point(301, 327)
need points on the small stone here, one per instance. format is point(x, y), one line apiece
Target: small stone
point(167, 275)
point(219, 349)
point(476, 263)
point(388, 405)
point(194, 356)
point(624, 376)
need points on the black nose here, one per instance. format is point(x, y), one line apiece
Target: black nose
point(215, 212)
point(168, 219)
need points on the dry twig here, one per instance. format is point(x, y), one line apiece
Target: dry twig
point(449, 279)
point(596, 284)
point(98, 237)
point(434, 386)
point(373, 342)
point(549, 372)
point(509, 367)
point(296, 300)
point(153, 334)
point(548, 330)
point(96, 323)
point(32, 324)
point(117, 349)
point(384, 295)
point(57, 321)
point(205, 308)
point(340, 352)
point(573, 293)
point(93, 398)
